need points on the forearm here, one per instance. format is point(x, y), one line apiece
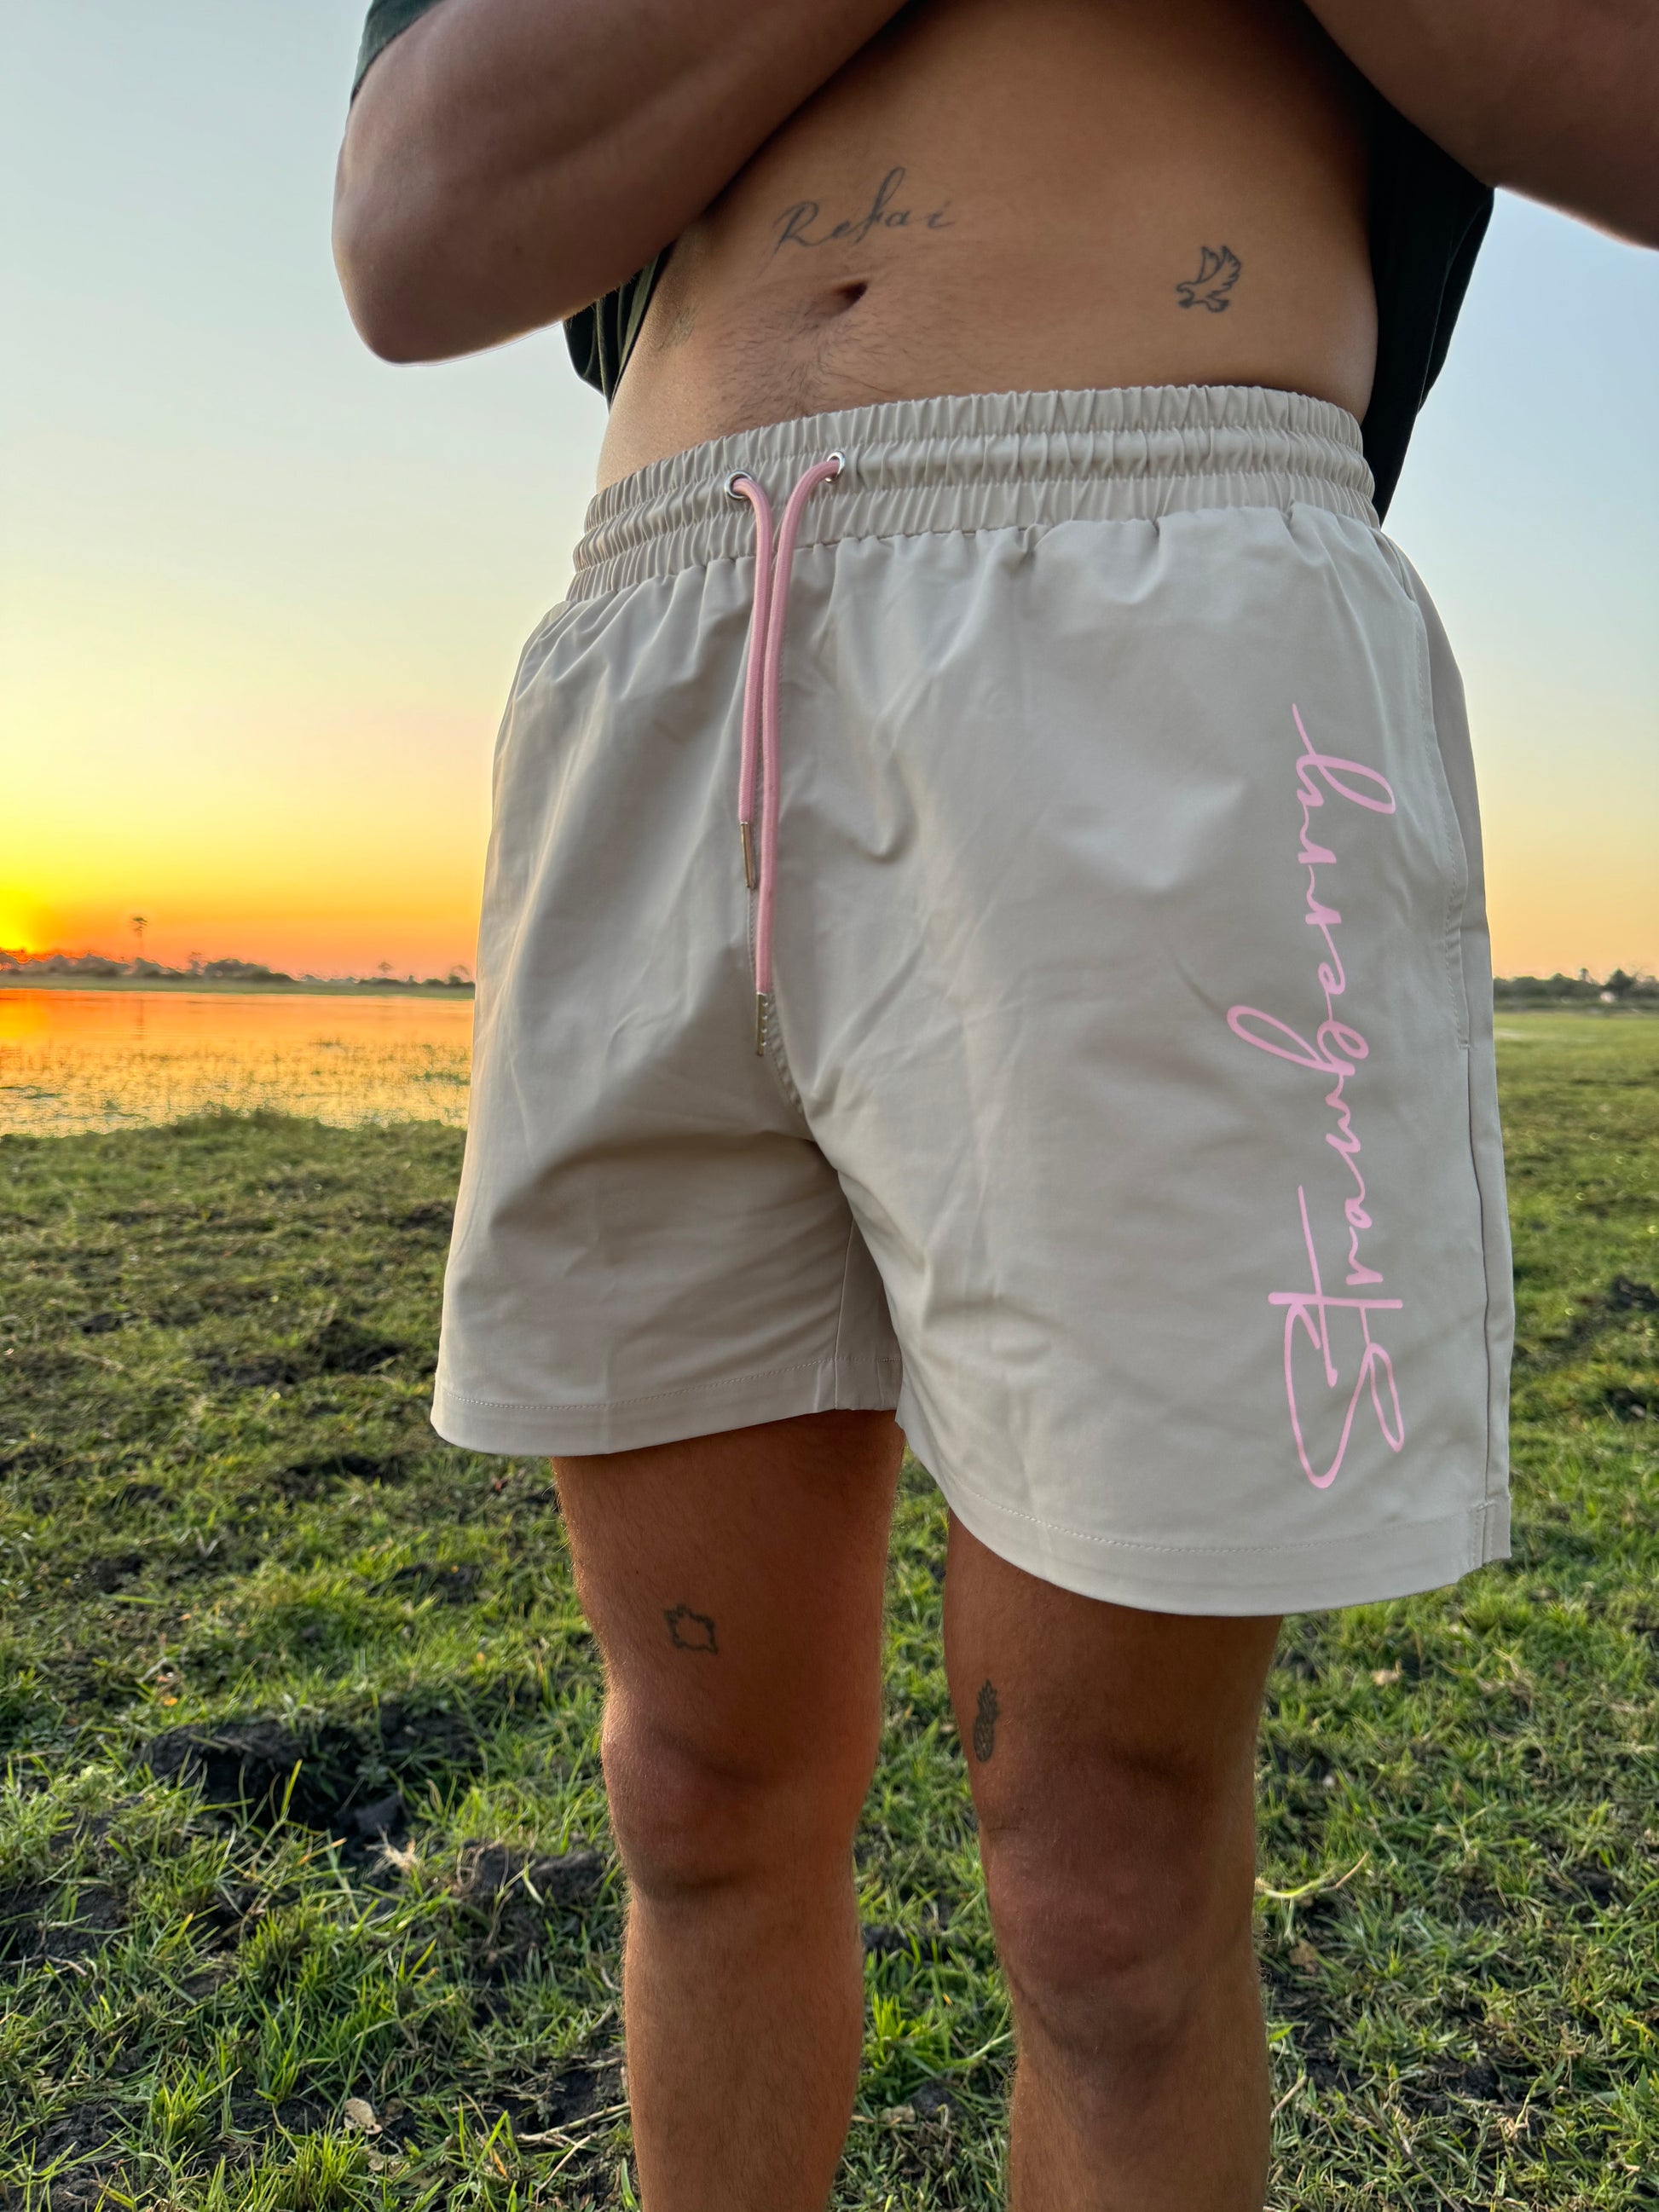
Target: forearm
point(1557, 98)
point(508, 161)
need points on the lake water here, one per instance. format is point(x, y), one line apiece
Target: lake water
point(72, 1060)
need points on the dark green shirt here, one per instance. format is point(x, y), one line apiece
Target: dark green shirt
point(1428, 215)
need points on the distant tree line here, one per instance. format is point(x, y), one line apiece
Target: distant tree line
point(1620, 989)
point(96, 966)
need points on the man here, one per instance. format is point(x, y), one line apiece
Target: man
point(1078, 1044)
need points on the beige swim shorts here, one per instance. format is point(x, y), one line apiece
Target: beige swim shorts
point(984, 917)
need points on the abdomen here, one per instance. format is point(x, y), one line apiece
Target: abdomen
point(1026, 194)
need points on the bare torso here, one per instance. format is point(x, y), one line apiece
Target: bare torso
point(1001, 195)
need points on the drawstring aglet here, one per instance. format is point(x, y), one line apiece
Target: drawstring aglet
point(760, 1024)
point(749, 876)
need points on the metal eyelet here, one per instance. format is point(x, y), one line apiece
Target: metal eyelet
point(732, 481)
point(840, 460)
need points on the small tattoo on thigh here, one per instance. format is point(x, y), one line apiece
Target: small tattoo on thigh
point(691, 1632)
point(985, 1723)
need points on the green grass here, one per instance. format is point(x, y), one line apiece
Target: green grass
point(220, 1505)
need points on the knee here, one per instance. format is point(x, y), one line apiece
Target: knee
point(1110, 1972)
point(691, 1817)
point(1114, 1939)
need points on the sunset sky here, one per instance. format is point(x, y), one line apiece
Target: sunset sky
point(261, 595)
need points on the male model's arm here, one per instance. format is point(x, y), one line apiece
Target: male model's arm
point(1559, 99)
point(508, 161)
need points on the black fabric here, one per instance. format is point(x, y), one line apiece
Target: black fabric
point(601, 338)
point(386, 18)
point(1428, 216)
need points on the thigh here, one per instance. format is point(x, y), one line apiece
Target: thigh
point(735, 1585)
point(1111, 1750)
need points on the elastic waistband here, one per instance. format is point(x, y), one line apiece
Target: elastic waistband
point(984, 461)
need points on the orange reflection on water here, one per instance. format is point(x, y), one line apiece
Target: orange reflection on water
point(74, 1061)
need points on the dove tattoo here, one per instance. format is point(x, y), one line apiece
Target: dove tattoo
point(689, 1630)
point(1219, 267)
point(985, 1723)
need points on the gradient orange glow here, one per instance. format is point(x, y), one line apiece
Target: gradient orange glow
point(262, 595)
point(293, 813)
point(276, 774)
point(326, 813)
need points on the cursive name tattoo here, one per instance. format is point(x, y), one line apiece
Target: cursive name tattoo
point(795, 225)
point(691, 1632)
point(1219, 270)
point(985, 1722)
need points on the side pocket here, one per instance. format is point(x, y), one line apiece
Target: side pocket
point(537, 652)
point(542, 639)
point(1457, 859)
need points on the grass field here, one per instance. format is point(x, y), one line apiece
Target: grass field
point(307, 1898)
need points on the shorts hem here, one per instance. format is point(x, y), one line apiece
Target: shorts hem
point(864, 1384)
point(1363, 1567)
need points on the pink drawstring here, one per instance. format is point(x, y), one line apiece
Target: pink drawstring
point(760, 703)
